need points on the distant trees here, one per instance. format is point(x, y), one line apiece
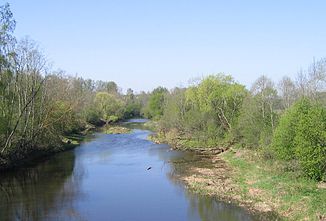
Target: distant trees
point(175, 109)
point(110, 87)
point(312, 82)
point(133, 104)
point(288, 92)
point(154, 106)
point(258, 114)
point(110, 108)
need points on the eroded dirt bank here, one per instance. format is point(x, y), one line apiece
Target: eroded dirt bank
point(210, 174)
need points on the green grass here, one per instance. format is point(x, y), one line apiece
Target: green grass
point(296, 198)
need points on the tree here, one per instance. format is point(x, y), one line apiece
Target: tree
point(174, 110)
point(156, 103)
point(110, 87)
point(258, 115)
point(301, 136)
point(26, 89)
point(109, 106)
point(219, 98)
point(288, 92)
point(312, 82)
point(7, 41)
point(132, 105)
point(207, 111)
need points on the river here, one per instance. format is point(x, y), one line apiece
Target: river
point(122, 177)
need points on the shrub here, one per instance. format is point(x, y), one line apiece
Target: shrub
point(310, 142)
point(283, 139)
point(301, 136)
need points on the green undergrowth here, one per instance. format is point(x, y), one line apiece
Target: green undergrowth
point(292, 196)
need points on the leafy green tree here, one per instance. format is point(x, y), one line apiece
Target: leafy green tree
point(206, 112)
point(284, 135)
point(132, 105)
point(310, 141)
point(7, 27)
point(301, 135)
point(109, 106)
point(218, 98)
point(155, 104)
point(174, 110)
point(7, 40)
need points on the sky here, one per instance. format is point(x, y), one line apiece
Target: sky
point(142, 44)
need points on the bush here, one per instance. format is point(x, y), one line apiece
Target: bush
point(301, 135)
point(283, 139)
point(310, 142)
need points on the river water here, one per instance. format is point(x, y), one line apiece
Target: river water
point(121, 177)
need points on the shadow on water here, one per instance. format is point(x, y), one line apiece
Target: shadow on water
point(40, 192)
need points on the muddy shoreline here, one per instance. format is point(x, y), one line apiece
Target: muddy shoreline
point(211, 175)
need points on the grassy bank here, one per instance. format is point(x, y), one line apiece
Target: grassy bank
point(261, 186)
point(245, 177)
point(266, 183)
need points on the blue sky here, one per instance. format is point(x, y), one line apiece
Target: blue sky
point(143, 44)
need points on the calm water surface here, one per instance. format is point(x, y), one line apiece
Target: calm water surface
point(107, 179)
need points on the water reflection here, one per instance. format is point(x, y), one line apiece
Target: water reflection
point(107, 179)
point(45, 191)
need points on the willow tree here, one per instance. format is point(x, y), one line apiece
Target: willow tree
point(109, 106)
point(218, 98)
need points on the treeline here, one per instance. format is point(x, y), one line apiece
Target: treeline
point(285, 121)
point(38, 106)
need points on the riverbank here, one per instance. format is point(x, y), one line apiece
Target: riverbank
point(37, 155)
point(68, 142)
point(262, 186)
point(266, 185)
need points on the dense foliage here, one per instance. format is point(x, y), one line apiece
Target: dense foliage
point(38, 106)
point(155, 104)
point(209, 110)
point(301, 135)
point(285, 122)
